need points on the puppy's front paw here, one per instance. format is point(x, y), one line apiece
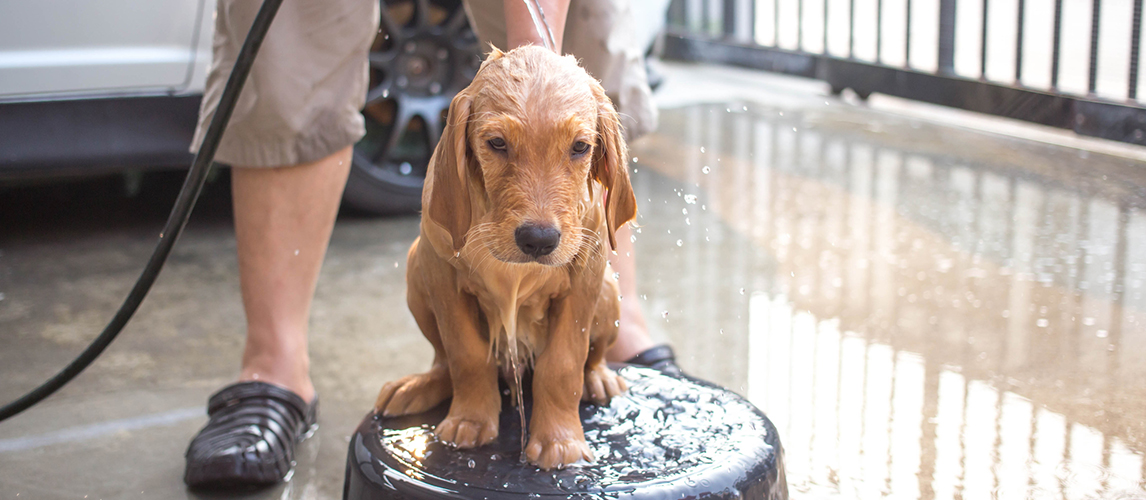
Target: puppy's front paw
point(467, 432)
point(601, 384)
point(557, 452)
point(413, 393)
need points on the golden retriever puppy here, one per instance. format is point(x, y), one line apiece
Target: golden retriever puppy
point(510, 268)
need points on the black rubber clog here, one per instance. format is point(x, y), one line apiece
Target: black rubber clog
point(660, 358)
point(250, 438)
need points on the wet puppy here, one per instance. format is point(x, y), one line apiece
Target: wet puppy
point(510, 269)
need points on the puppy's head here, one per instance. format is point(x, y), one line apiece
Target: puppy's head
point(528, 141)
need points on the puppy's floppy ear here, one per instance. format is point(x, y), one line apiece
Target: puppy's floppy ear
point(610, 168)
point(449, 205)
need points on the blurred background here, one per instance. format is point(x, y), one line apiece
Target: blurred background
point(911, 231)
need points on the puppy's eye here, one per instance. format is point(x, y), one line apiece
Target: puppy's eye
point(497, 143)
point(580, 148)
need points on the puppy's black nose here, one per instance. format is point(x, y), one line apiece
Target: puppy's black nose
point(536, 240)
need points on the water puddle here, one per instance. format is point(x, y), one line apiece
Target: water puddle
point(924, 312)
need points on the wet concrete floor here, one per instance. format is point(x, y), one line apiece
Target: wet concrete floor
point(924, 310)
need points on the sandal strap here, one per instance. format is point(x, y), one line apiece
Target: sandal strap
point(242, 391)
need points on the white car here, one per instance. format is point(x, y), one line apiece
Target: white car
point(90, 87)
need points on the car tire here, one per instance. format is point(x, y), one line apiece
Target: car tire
point(425, 53)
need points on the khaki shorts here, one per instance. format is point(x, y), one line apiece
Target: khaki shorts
point(302, 99)
point(599, 34)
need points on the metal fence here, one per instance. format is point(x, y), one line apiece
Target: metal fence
point(1071, 64)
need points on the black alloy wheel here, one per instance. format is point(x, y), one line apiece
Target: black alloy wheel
point(425, 53)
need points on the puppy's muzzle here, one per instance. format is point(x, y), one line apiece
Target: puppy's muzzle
point(536, 240)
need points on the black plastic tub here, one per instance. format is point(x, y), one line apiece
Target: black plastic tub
point(666, 438)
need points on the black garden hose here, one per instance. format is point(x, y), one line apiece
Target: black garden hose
point(192, 186)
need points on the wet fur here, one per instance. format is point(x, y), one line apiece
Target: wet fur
point(477, 297)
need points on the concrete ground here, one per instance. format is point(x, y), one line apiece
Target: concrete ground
point(924, 308)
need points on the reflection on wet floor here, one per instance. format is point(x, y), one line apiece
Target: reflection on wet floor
point(924, 312)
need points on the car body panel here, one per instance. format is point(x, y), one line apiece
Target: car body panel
point(66, 49)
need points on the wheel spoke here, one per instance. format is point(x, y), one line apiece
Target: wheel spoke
point(422, 13)
point(402, 117)
point(433, 121)
point(456, 23)
point(382, 60)
point(389, 26)
point(382, 91)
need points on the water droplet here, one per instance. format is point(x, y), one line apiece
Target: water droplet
point(702, 149)
point(679, 243)
point(471, 463)
point(634, 159)
point(684, 211)
point(1042, 323)
point(617, 323)
point(690, 199)
point(665, 314)
point(706, 169)
point(633, 238)
point(722, 331)
point(616, 275)
point(1101, 334)
point(457, 255)
point(686, 222)
point(741, 291)
point(395, 264)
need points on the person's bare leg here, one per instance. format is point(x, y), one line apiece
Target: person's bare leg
point(283, 220)
point(633, 337)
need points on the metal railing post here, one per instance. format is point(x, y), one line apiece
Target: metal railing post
point(1056, 44)
point(983, 45)
point(729, 20)
point(1092, 80)
point(947, 37)
point(1019, 43)
point(1135, 47)
point(907, 36)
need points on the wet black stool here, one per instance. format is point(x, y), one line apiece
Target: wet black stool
point(666, 438)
